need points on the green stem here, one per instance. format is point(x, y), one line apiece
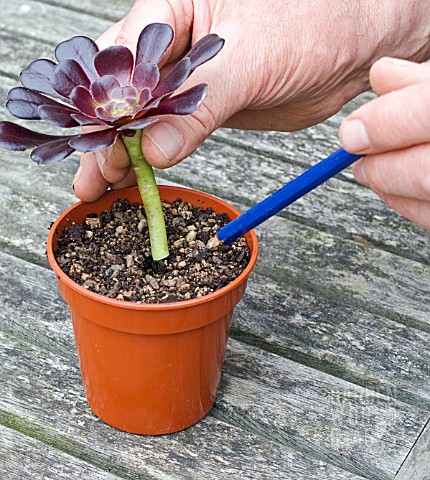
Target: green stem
point(150, 196)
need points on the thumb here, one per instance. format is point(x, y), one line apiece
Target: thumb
point(174, 138)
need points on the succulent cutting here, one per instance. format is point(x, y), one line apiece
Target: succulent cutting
point(115, 93)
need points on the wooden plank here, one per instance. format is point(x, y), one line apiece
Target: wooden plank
point(36, 20)
point(26, 235)
point(44, 399)
point(16, 52)
point(24, 458)
point(347, 272)
point(27, 307)
point(316, 413)
point(97, 8)
point(304, 147)
point(360, 347)
point(292, 404)
point(417, 464)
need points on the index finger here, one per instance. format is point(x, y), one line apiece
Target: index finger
point(393, 121)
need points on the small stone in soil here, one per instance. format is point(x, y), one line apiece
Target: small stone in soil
point(110, 254)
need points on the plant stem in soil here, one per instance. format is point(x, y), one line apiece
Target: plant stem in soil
point(150, 196)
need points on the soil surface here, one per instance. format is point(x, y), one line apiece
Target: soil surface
point(110, 254)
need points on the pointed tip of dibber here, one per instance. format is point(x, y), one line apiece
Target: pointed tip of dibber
point(213, 242)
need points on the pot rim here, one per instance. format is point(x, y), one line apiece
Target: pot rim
point(250, 237)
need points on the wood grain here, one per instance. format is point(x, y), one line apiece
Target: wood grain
point(97, 8)
point(24, 457)
point(361, 347)
point(29, 18)
point(46, 402)
point(295, 405)
point(417, 464)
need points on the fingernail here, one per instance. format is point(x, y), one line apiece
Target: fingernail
point(77, 175)
point(167, 139)
point(353, 136)
point(399, 62)
point(359, 172)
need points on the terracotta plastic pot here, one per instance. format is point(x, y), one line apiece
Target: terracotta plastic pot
point(149, 368)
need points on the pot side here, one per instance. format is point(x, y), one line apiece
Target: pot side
point(150, 368)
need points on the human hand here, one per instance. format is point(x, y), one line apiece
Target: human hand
point(394, 132)
point(280, 69)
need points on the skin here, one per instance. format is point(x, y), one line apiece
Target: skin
point(394, 133)
point(292, 66)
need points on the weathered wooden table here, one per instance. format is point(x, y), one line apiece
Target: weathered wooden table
point(327, 374)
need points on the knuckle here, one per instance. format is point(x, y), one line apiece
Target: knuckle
point(423, 171)
point(375, 173)
point(206, 119)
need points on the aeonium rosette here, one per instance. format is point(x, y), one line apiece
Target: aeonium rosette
point(113, 90)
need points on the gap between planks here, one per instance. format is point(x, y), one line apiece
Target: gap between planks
point(416, 465)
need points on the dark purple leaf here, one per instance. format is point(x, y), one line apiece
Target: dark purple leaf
point(68, 75)
point(116, 61)
point(83, 50)
point(176, 77)
point(183, 104)
point(138, 124)
point(106, 112)
point(52, 152)
point(146, 75)
point(144, 97)
point(132, 103)
point(206, 48)
point(17, 138)
point(84, 120)
point(82, 99)
point(24, 103)
point(102, 87)
point(154, 103)
point(36, 77)
point(153, 43)
point(91, 142)
point(58, 115)
point(121, 93)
